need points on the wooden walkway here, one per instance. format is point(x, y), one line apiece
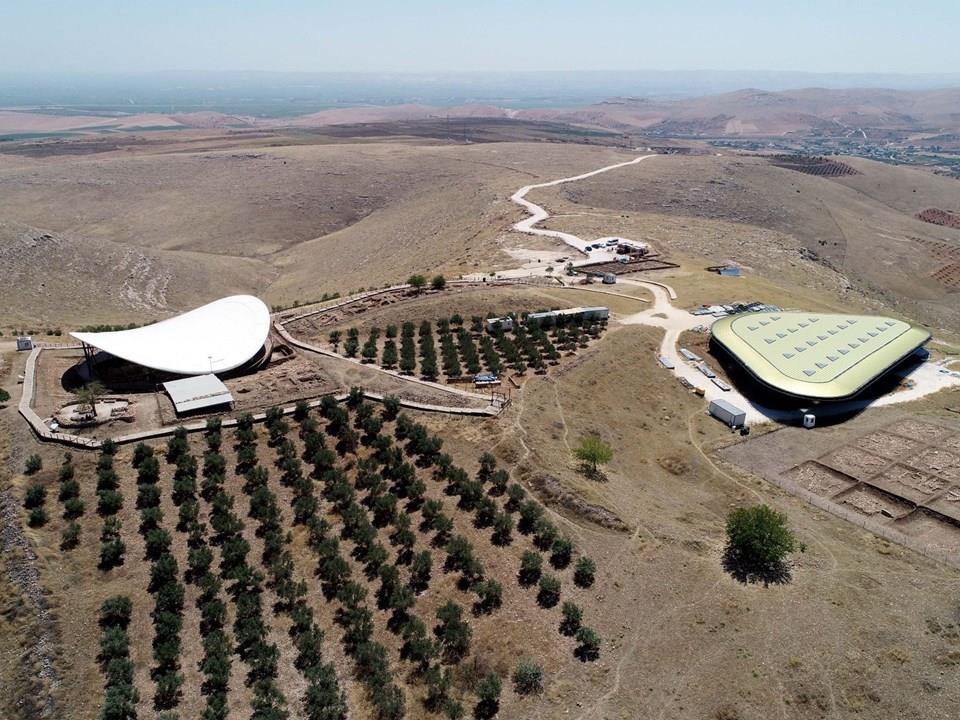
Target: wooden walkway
point(44, 433)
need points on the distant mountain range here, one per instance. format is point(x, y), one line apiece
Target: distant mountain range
point(742, 113)
point(285, 94)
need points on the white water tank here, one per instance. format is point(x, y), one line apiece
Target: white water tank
point(809, 420)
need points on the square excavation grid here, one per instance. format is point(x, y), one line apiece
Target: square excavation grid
point(925, 432)
point(939, 462)
point(855, 462)
point(908, 483)
point(888, 445)
point(952, 444)
point(948, 504)
point(818, 478)
point(935, 534)
point(873, 503)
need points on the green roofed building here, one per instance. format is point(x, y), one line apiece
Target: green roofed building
point(816, 356)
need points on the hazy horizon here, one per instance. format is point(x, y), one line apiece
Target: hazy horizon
point(425, 36)
point(275, 93)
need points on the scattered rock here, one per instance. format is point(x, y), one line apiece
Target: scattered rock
point(552, 492)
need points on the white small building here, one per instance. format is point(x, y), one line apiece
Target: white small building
point(494, 324)
point(201, 392)
point(24, 342)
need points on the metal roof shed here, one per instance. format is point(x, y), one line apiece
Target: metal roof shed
point(197, 393)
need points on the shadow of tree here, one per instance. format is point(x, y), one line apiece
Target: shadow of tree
point(778, 573)
point(591, 473)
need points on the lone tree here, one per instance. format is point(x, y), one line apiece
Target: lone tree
point(87, 395)
point(439, 282)
point(593, 452)
point(758, 541)
point(417, 282)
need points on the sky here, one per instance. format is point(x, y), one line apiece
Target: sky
point(854, 36)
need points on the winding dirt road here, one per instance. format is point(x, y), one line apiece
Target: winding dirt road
point(538, 214)
point(926, 378)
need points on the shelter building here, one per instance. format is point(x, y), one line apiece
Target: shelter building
point(814, 356)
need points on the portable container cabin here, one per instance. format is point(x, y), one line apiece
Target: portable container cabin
point(727, 412)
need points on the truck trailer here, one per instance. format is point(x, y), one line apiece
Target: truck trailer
point(727, 412)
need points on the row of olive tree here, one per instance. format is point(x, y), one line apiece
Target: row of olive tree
point(121, 697)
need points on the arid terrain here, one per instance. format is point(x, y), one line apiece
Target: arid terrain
point(746, 112)
point(136, 226)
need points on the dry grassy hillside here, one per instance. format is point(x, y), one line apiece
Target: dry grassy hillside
point(289, 223)
point(760, 112)
point(53, 279)
point(862, 226)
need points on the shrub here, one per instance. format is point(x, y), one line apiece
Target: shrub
point(35, 496)
point(515, 496)
point(572, 618)
point(111, 553)
point(115, 611)
point(589, 644)
point(489, 596)
point(452, 631)
point(527, 678)
point(4, 396)
point(73, 508)
point(502, 529)
point(33, 465)
point(438, 282)
point(420, 569)
point(561, 552)
point(70, 537)
point(530, 513)
point(157, 542)
point(498, 482)
point(549, 594)
point(177, 445)
point(486, 512)
point(66, 471)
point(453, 709)
point(140, 453)
point(583, 575)
point(69, 488)
point(531, 567)
point(459, 554)
point(417, 647)
point(391, 407)
point(545, 534)
point(488, 694)
point(109, 502)
point(442, 526)
point(37, 517)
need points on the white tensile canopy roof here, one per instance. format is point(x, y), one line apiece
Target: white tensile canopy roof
point(214, 338)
